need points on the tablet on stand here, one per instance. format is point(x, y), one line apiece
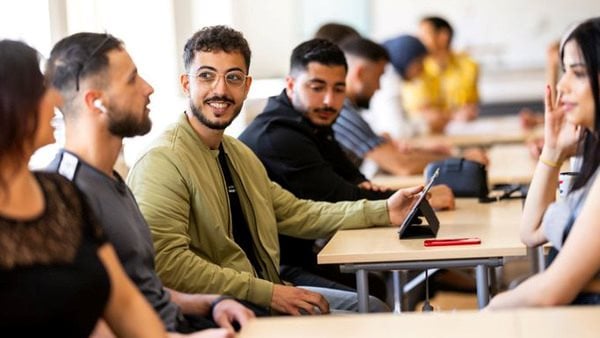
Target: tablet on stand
point(421, 221)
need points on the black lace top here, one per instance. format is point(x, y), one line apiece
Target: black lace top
point(51, 279)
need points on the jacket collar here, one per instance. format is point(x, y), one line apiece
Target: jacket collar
point(185, 125)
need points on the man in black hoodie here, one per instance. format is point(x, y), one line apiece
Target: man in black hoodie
point(294, 140)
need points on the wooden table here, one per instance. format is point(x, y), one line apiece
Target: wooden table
point(379, 249)
point(509, 164)
point(581, 322)
point(484, 131)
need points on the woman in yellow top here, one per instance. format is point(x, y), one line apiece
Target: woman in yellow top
point(447, 88)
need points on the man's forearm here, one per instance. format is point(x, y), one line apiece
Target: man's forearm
point(192, 304)
point(391, 160)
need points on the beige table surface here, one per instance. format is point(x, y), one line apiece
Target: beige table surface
point(581, 322)
point(496, 224)
point(484, 131)
point(509, 163)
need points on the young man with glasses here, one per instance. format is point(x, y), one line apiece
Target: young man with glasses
point(104, 101)
point(213, 211)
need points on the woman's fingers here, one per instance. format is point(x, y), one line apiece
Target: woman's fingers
point(548, 100)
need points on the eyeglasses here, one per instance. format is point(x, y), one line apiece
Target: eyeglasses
point(210, 78)
point(89, 59)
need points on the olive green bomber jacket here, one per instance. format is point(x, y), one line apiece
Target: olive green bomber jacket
point(181, 192)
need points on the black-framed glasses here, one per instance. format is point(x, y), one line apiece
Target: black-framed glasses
point(210, 78)
point(89, 59)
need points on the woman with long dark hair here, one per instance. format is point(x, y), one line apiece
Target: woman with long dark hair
point(571, 224)
point(58, 275)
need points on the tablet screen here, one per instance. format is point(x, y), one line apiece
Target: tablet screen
point(422, 195)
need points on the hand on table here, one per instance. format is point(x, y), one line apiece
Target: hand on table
point(292, 300)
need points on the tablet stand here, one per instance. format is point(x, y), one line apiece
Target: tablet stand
point(416, 228)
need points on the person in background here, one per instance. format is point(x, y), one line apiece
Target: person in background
point(571, 224)
point(214, 213)
point(335, 32)
point(294, 139)
point(386, 113)
point(103, 102)
point(447, 88)
point(59, 274)
point(366, 63)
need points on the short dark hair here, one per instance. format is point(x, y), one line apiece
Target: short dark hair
point(316, 50)
point(22, 87)
point(364, 49)
point(587, 37)
point(439, 24)
point(78, 57)
point(216, 39)
point(335, 32)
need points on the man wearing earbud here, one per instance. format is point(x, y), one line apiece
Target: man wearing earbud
point(98, 104)
point(104, 101)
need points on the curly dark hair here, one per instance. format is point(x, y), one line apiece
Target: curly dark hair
point(316, 50)
point(216, 39)
point(22, 87)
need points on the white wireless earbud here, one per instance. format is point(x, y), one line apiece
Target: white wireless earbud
point(98, 104)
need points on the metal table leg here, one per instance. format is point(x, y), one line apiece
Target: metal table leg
point(403, 291)
point(481, 264)
point(483, 292)
point(538, 263)
point(398, 285)
point(362, 288)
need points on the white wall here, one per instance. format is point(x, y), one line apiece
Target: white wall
point(500, 34)
point(270, 26)
point(509, 38)
point(509, 34)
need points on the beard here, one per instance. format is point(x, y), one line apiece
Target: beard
point(210, 124)
point(124, 124)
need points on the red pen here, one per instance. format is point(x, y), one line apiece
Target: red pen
point(452, 241)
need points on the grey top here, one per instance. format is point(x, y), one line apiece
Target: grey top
point(117, 211)
point(560, 215)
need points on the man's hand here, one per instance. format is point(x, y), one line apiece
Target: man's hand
point(529, 119)
point(368, 185)
point(467, 112)
point(442, 197)
point(228, 311)
point(400, 203)
point(102, 330)
point(476, 154)
point(292, 300)
point(535, 147)
point(436, 119)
